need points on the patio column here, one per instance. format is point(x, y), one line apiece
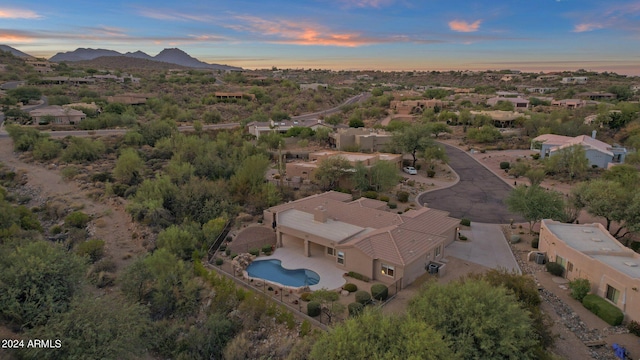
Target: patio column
point(306, 248)
point(278, 239)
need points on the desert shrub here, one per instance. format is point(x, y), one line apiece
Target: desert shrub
point(94, 249)
point(431, 173)
point(77, 219)
point(465, 222)
point(379, 292)
point(384, 198)
point(634, 327)
point(462, 237)
point(535, 156)
point(605, 310)
point(392, 205)
point(358, 276)
point(69, 172)
point(350, 287)
point(219, 261)
point(227, 251)
point(313, 308)
point(504, 165)
point(370, 194)
point(267, 249)
point(554, 268)
point(535, 242)
point(355, 308)
point(363, 297)
point(55, 230)
point(254, 251)
point(579, 288)
point(222, 248)
point(402, 196)
point(305, 296)
point(45, 149)
point(233, 255)
point(102, 177)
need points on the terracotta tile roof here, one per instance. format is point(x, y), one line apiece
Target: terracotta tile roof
point(552, 139)
point(369, 203)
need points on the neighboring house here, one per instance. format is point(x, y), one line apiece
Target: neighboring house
point(501, 118)
point(361, 236)
point(234, 95)
point(574, 80)
point(518, 103)
point(40, 66)
point(67, 80)
point(258, 128)
point(56, 115)
point(635, 88)
point(589, 252)
point(313, 86)
point(91, 106)
point(599, 154)
point(305, 170)
point(365, 139)
point(541, 90)
point(570, 103)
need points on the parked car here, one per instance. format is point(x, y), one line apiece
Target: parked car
point(410, 170)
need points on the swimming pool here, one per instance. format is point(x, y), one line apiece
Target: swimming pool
point(272, 270)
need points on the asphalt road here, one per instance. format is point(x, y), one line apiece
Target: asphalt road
point(478, 196)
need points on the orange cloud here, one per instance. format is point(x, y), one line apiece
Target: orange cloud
point(300, 33)
point(13, 38)
point(463, 26)
point(10, 13)
point(587, 27)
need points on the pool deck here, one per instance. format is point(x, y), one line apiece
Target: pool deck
point(291, 257)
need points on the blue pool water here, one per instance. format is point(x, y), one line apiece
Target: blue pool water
point(272, 270)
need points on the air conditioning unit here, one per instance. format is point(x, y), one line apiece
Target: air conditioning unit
point(432, 268)
point(540, 258)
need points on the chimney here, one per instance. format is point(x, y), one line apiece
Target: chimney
point(320, 214)
point(593, 134)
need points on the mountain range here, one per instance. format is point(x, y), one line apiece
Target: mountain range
point(171, 56)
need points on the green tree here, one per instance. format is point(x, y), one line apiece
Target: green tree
point(212, 229)
point(571, 161)
point(534, 203)
point(82, 149)
point(37, 281)
point(272, 140)
point(487, 133)
point(46, 149)
point(412, 140)
point(535, 176)
point(383, 175)
point(105, 327)
point(177, 241)
point(25, 94)
point(434, 153)
point(439, 128)
point(163, 282)
point(626, 175)
point(373, 335)
point(481, 321)
point(331, 170)
point(129, 167)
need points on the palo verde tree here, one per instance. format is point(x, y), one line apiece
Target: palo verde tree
point(412, 140)
point(479, 320)
point(570, 162)
point(331, 170)
point(534, 203)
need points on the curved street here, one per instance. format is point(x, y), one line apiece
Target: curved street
point(478, 196)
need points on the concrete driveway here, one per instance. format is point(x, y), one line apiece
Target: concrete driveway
point(478, 196)
point(486, 246)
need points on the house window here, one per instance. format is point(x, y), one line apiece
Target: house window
point(562, 261)
point(340, 257)
point(437, 251)
point(569, 266)
point(613, 294)
point(388, 270)
point(331, 251)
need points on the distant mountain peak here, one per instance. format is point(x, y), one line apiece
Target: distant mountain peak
point(169, 55)
point(15, 52)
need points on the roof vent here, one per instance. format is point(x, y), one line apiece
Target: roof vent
point(630, 264)
point(606, 249)
point(588, 231)
point(596, 239)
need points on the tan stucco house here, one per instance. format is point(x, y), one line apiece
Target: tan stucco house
point(58, 115)
point(305, 170)
point(359, 235)
point(589, 252)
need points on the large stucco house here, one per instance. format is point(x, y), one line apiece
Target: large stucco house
point(599, 154)
point(57, 115)
point(588, 251)
point(360, 236)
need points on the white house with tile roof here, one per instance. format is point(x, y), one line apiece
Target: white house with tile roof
point(598, 153)
point(363, 237)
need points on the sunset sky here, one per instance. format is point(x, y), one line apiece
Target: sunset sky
point(529, 35)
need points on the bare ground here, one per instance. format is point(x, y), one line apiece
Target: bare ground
point(109, 222)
